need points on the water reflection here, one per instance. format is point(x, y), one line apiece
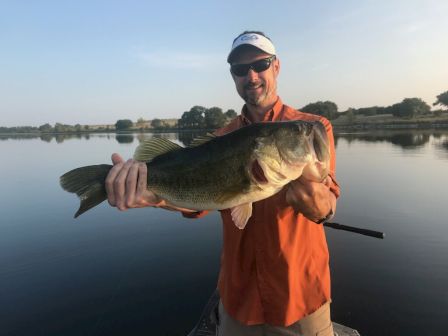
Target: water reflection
point(19, 136)
point(187, 137)
point(48, 137)
point(411, 139)
point(441, 146)
point(405, 139)
point(444, 145)
point(124, 138)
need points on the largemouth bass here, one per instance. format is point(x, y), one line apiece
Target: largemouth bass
point(219, 172)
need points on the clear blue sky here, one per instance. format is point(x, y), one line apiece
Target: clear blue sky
point(95, 62)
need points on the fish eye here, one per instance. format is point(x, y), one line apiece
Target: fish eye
point(304, 127)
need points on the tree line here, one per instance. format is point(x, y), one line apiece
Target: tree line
point(199, 117)
point(47, 128)
point(407, 108)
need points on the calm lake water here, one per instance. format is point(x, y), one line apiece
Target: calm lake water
point(150, 271)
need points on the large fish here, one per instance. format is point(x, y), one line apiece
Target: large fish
point(219, 172)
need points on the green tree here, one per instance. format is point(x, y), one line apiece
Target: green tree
point(193, 118)
point(61, 128)
point(350, 115)
point(327, 109)
point(438, 113)
point(393, 109)
point(46, 128)
point(442, 99)
point(123, 124)
point(157, 123)
point(141, 123)
point(230, 114)
point(369, 111)
point(410, 107)
point(214, 118)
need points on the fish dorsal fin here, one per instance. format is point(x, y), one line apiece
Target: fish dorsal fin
point(241, 214)
point(201, 139)
point(149, 149)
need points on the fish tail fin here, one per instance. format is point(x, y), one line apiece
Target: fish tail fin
point(88, 183)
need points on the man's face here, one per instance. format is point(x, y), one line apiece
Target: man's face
point(258, 89)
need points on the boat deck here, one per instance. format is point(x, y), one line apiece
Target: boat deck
point(340, 330)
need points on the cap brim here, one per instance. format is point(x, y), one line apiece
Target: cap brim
point(240, 49)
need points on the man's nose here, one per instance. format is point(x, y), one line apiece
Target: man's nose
point(252, 75)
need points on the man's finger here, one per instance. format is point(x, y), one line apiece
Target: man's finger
point(110, 180)
point(142, 180)
point(131, 185)
point(290, 195)
point(327, 181)
point(299, 186)
point(120, 184)
point(116, 158)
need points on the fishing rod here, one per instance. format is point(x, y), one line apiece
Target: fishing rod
point(365, 232)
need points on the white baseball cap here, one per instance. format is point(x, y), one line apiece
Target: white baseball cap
point(258, 41)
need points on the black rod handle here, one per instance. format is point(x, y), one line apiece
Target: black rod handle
point(365, 232)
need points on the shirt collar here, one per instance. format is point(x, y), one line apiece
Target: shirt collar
point(271, 115)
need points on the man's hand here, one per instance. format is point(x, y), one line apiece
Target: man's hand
point(126, 185)
point(313, 199)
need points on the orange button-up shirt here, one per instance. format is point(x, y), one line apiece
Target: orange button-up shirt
point(276, 270)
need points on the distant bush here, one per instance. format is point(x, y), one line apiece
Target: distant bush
point(410, 107)
point(123, 124)
point(327, 109)
point(442, 99)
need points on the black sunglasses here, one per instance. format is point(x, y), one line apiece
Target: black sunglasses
point(261, 65)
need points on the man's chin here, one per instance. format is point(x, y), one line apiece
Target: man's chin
point(251, 102)
point(254, 100)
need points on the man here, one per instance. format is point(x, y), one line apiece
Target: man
point(275, 277)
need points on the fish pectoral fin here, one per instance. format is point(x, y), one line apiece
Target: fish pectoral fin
point(241, 214)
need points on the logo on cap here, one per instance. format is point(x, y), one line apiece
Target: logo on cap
point(249, 37)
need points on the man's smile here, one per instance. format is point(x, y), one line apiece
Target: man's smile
point(253, 87)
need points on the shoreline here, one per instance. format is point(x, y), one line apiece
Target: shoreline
point(391, 126)
point(337, 126)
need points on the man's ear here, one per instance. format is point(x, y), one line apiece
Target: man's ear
point(276, 66)
point(231, 74)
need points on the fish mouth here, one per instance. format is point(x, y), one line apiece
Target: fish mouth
point(258, 172)
point(319, 142)
point(318, 167)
